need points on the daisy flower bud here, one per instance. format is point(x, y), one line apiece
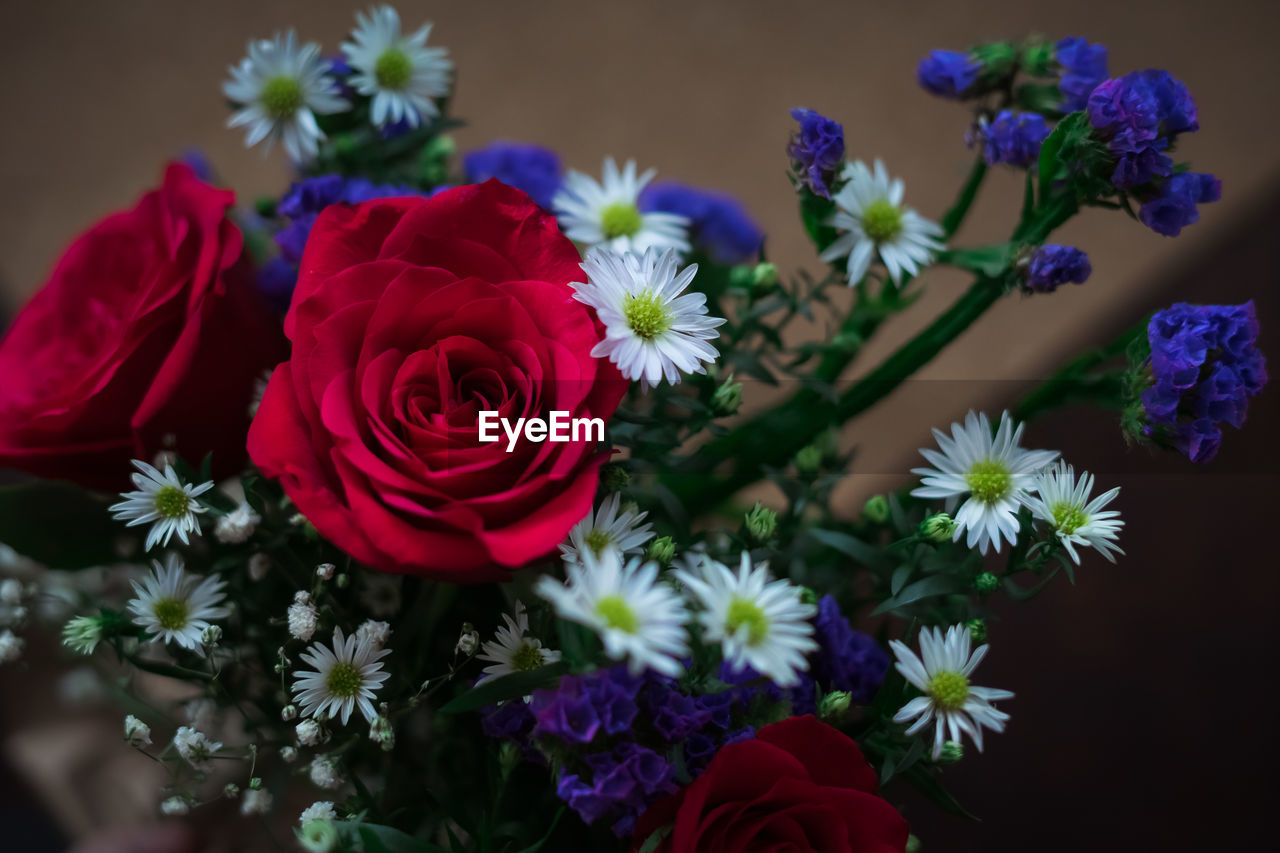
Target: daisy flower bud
point(136, 732)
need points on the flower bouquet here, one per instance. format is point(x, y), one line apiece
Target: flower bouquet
point(436, 538)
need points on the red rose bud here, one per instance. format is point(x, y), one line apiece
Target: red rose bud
point(147, 337)
point(411, 317)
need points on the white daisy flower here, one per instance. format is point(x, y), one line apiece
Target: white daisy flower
point(280, 88)
point(607, 215)
point(874, 221)
point(995, 473)
point(512, 649)
point(761, 623)
point(608, 529)
point(400, 73)
point(1064, 503)
point(163, 501)
point(651, 330)
point(196, 748)
point(639, 618)
point(346, 677)
point(942, 674)
point(175, 607)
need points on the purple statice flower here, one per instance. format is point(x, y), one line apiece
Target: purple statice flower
point(1083, 66)
point(818, 148)
point(1051, 266)
point(1138, 116)
point(1173, 206)
point(1013, 138)
point(305, 199)
point(276, 280)
point(718, 223)
point(948, 73)
point(846, 659)
point(702, 746)
point(531, 168)
point(674, 715)
point(750, 685)
point(582, 706)
point(623, 782)
point(198, 162)
point(1205, 365)
point(510, 720)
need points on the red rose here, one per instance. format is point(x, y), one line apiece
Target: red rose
point(147, 337)
point(798, 785)
point(411, 316)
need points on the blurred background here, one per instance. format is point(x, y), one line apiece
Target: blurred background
point(1145, 694)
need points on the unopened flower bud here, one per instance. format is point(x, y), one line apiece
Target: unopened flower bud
point(834, 704)
point(977, 630)
point(913, 845)
point(938, 528)
point(382, 732)
point(986, 582)
point(876, 509)
point(324, 571)
point(662, 550)
point(809, 461)
point(808, 596)
point(727, 398)
point(468, 640)
point(211, 636)
point(951, 752)
point(136, 732)
point(761, 523)
point(231, 790)
point(742, 276)
point(342, 581)
point(764, 276)
point(614, 477)
point(289, 713)
point(255, 783)
point(508, 758)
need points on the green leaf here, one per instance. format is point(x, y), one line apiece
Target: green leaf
point(921, 589)
point(659, 835)
point(851, 547)
point(537, 845)
point(986, 260)
point(514, 686)
point(375, 838)
point(900, 577)
point(58, 524)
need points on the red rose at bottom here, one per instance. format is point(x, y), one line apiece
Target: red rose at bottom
point(799, 785)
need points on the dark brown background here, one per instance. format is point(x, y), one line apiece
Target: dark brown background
point(1145, 709)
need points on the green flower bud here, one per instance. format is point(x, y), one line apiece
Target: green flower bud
point(211, 636)
point(614, 477)
point(255, 783)
point(986, 582)
point(834, 705)
point(1037, 58)
point(82, 634)
point(741, 276)
point(977, 630)
point(808, 596)
point(913, 844)
point(382, 732)
point(809, 461)
point(764, 276)
point(508, 758)
point(847, 342)
point(951, 752)
point(727, 398)
point(998, 59)
point(231, 790)
point(318, 836)
point(662, 550)
point(761, 523)
point(433, 162)
point(937, 528)
point(876, 509)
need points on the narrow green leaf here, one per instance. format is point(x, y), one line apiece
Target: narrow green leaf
point(35, 519)
point(850, 546)
point(921, 589)
point(537, 845)
point(900, 577)
point(651, 843)
point(514, 686)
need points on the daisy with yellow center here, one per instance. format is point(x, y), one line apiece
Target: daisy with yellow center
point(950, 700)
point(345, 677)
point(402, 75)
point(173, 606)
point(653, 330)
point(1064, 503)
point(992, 470)
point(612, 527)
point(163, 501)
point(639, 618)
point(761, 623)
point(607, 215)
point(512, 649)
point(875, 222)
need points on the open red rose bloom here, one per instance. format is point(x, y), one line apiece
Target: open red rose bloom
point(410, 317)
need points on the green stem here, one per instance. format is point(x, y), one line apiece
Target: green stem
point(1074, 382)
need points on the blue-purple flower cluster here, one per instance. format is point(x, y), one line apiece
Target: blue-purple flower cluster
point(531, 168)
point(1083, 66)
point(948, 73)
point(718, 223)
point(818, 149)
point(1052, 266)
point(623, 741)
point(1205, 366)
point(1013, 138)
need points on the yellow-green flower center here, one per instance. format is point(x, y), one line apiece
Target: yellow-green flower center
point(281, 97)
point(989, 480)
point(598, 540)
point(617, 614)
point(526, 658)
point(1068, 517)
point(172, 502)
point(646, 315)
point(393, 69)
point(882, 220)
point(171, 613)
point(743, 611)
point(620, 219)
point(949, 690)
point(344, 680)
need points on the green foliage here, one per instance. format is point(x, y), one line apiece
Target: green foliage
point(59, 525)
